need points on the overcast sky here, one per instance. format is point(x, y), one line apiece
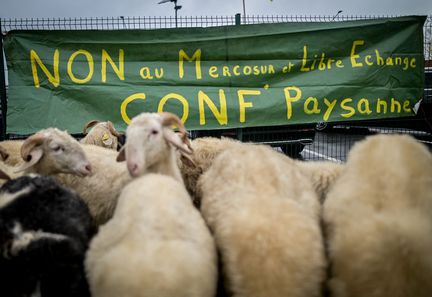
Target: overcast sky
point(98, 8)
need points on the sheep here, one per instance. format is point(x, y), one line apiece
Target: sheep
point(44, 233)
point(101, 134)
point(264, 215)
point(157, 243)
point(378, 220)
point(56, 153)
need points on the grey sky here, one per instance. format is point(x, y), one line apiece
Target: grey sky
point(98, 8)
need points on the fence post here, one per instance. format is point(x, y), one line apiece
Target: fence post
point(3, 101)
point(239, 131)
point(238, 19)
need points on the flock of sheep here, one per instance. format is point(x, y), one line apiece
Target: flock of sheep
point(168, 217)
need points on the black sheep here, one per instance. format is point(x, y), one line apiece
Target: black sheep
point(44, 234)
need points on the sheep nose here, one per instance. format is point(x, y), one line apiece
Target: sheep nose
point(84, 170)
point(88, 168)
point(133, 169)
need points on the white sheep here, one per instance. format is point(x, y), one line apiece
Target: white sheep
point(378, 219)
point(156, 244)
point(54, 152)
point(264, 214)
point(101, 134)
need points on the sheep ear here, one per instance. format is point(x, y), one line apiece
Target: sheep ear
point(4, 175)
point(121, 141)
point(112, 129)
point(121, 155)
point(3, 154)
point(176, 140)
point(187, 160)
point(31, 152)
point(30, 144)
point(89, 125)
point(107, 139)
point(32, 158)
point(171, 119)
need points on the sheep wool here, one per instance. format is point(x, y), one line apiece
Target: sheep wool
point(206, 149)
point(6, 172)
point(13, 148)
point(264, 214)
point(156, 244)
point(323, 175)
point(101, 189)
point(44, 233)
point(378, 220)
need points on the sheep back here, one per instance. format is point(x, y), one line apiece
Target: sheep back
point(156, 244)
point(378, 220)
point(264, 215)
point(323, 174)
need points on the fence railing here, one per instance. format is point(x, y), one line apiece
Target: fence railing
point(332, 145)
point(149, 22)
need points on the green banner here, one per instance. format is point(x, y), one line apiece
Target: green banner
point(220, 77)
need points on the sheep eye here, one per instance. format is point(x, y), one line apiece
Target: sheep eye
point(154, 132)
point(57, 148)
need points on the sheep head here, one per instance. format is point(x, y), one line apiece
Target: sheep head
point(102, 134)
point(52, 151)
point(150, 140)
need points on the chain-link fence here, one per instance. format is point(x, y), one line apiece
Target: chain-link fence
point(147, 23)
point(330, 141)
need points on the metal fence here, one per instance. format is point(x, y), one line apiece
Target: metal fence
point(147, 23)
point(332, 142)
